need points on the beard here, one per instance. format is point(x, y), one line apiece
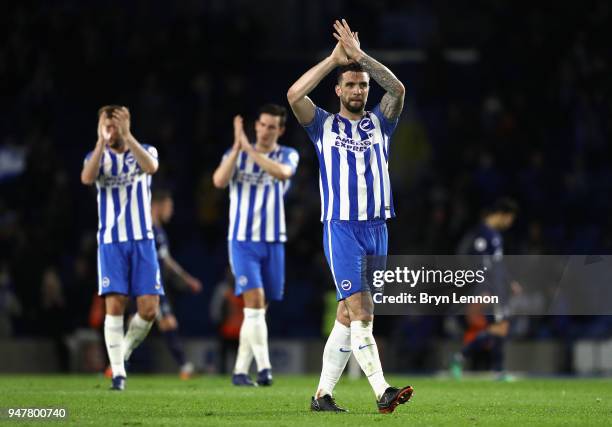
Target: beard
point(355, 109)
point(117, 143)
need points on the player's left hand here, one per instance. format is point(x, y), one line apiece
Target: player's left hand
point(194, 284)
point(121, 118)
point(245, 145)
point(348, 39)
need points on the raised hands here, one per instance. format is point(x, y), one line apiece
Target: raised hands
point(121, 119)
point(347, 40)
point(238, 131)
point(339, 55)
point(240, 139)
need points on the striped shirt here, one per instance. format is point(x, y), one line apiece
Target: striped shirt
point(124, 197)
point(353, 165)
point(257, 208)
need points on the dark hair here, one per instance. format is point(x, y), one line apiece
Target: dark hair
point(274, 110)
point(160, 194)
point(504, 205)
point(108, 110)
point(353, 66)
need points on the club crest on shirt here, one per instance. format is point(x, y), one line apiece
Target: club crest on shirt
point(360, 145)
point(366, 124)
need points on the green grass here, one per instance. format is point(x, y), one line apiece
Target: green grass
point(165, 400)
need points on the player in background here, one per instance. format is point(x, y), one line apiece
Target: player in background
point(162, 209)
point(122, 170)
point(353, 149)
point(486, 241)
point(258, 176)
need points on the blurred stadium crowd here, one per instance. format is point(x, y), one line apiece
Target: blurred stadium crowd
point(502, 99)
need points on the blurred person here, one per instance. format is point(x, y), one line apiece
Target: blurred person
point(9, 303)
point(353, 149)
point(162, 209)
point(226, 311)
point(54, 311)
point(486, 241)
point(122, 170)
point(259, 177)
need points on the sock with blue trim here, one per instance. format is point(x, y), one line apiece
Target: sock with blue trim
point(335, 357)
point(113, 337)
point(366, 352)
point(137, 332)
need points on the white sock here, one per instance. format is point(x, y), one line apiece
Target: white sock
point(113, 336)
point(335, 356)
point(245, 354)
point(257, 333)
point(366, 352)
point(137, 332)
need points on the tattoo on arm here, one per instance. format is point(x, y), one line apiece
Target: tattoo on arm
point(393, 101)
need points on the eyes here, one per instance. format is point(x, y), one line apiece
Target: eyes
point(351, 85)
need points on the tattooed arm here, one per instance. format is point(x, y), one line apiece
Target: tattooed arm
point(393, 101)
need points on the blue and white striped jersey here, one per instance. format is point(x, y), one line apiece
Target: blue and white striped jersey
point(124, 197)
point(257, 208)
point(353, 165)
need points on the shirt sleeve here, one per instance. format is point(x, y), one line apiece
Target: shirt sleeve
point(87, 157)
point(151, 150)
point(291, 158)
point(388, 126)
point(227, 153)
point(314, 129)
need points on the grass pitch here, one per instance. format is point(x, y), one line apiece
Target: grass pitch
point(165, 400)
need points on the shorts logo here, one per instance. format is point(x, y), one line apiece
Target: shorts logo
point(242, 281)
point(105, 282)
point(346, 285)
point(158, 286)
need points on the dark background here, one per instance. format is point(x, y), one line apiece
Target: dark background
point(503, 98)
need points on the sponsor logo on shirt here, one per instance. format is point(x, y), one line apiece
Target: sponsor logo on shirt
point(259, 178)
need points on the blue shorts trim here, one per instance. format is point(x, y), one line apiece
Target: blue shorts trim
point(346, 245)
point(258, 265)
point(129, 268)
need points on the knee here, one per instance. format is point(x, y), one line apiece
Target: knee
point(115, 305)
point(148, 312)
point(254, 298)
point(343, 318)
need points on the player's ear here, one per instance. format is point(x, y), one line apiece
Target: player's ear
point(338, 90)
point(281, 131)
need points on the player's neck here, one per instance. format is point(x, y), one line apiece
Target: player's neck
point(260, 148)
point(350, 115)
point(156, 221)
point(119, 148)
